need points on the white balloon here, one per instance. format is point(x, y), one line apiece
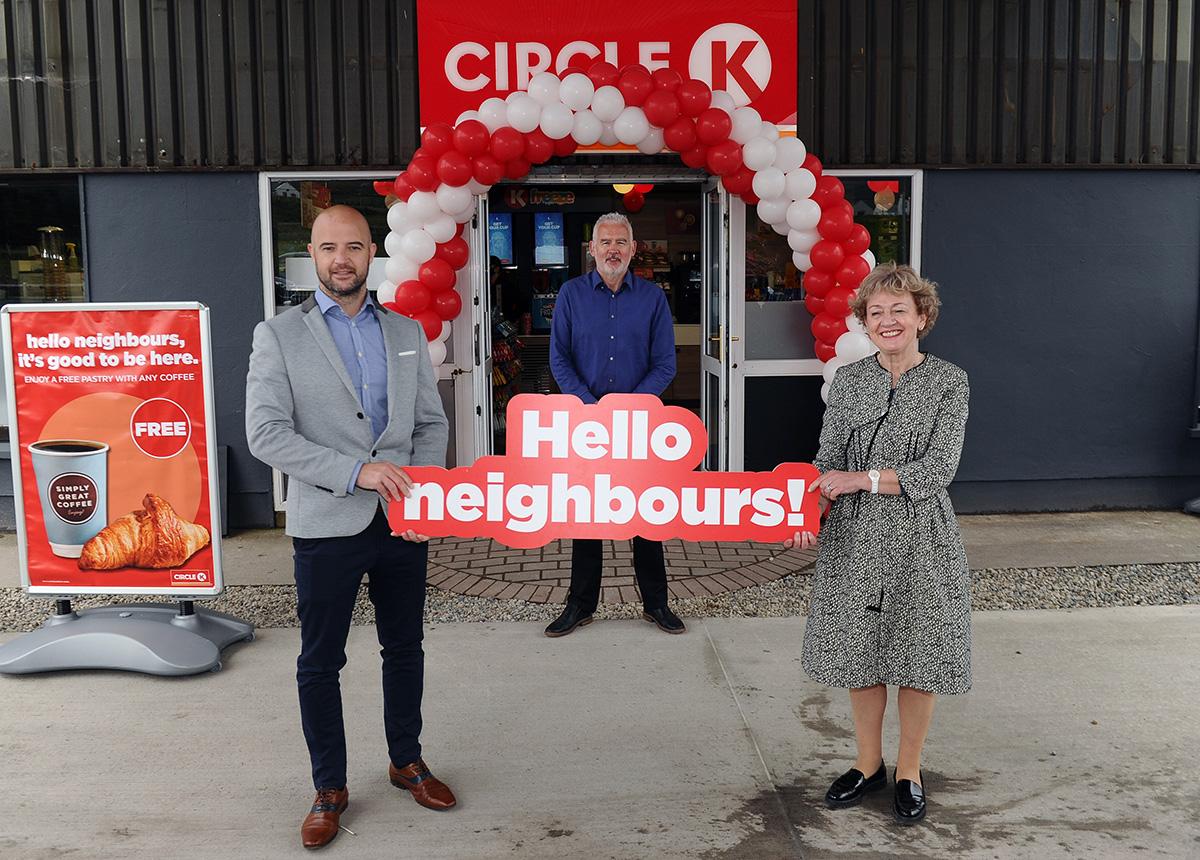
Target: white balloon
point(524, 113)
point(768, 183)
point(557, 121)
point(514, 95)
point(386, 292)
point(437, 352)
point(441, 229)
point(801, 261)
point(576, 91)
point(652, 143)
point(803, 214)
point(399, 269)
point(781, 227)
point(773, 210)
point(423, 207)
point(466, 115)
point(543, 88)
point(607, 103)
point(870, 258)
point(493, 113)
point(747, 122)
point(464, 215)
point(831, 367)
point(631, 126)
point(789, 154)
point(608, 136)
point(722, 100)
point(418, 246)
point(800, 183)
point(769, 130)
point(587, 128)
point(400, 218)
point(853, 324)
point(758, 154)
point(476, 187)
point(825, 391)
point(853, 345)
point(444, 335)
point(453, 198)
point(391, 243)
point(803, 240)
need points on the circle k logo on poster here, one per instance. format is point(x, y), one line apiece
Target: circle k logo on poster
point(160, 428)
point(732, 57)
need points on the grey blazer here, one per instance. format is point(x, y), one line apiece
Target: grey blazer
point(304, 418)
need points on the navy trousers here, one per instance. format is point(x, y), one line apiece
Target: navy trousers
point(587, 566)
point(328, 573)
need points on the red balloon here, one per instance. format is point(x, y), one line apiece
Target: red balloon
point(538, 147)
point(456, 252)
point(635, 85)
point(813, 165)
point(724, 158)
point(412, 297)
point(694, 97)
point(383, 187)
point(836, 221)
point(507, 144)
point(437, 138)
point(824, 351)
point(565, 146)
point(403, 187)
point(486, 169)
point(661, 108)
point(837, 303)
point(858, 241)
point(517, 168)
point(814, 304)
point(749, 198)
point(422, 174)
point(829, 191)
point(697, 156)
point(430, 321)
point(667, 79)
point(828, 328)
point(740, 181)
point(603, 74)
point(680, 135)
point(634, 201)
point(471, 137)
point(817, 283)
point(827, 256)
point(454, 168)
point(643, 187)
point(458, 228)
point(713, 126)
point(446, 305)
point(436, 274)
point(852, 271)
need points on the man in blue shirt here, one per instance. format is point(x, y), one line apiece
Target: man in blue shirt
point(611, 333)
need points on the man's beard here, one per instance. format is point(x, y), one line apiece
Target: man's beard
point(614, 270)
point(343, 292)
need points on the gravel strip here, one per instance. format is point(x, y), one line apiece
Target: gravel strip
point(993, 589)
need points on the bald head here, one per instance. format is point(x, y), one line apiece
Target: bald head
point(342, 250)
point(341, 218)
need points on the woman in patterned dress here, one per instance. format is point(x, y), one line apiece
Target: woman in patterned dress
point(891, 596)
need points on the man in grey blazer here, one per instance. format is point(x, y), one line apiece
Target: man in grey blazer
point(340, 397)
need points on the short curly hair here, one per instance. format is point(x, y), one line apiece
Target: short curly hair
point(898, 280)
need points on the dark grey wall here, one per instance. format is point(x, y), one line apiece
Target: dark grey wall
point(191, 237)
point(1071, 299)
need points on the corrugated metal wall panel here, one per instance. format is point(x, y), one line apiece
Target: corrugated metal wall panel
point(219, 84)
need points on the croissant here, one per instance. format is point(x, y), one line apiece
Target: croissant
point(153, 537)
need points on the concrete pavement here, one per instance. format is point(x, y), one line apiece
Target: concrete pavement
point(1079, 740)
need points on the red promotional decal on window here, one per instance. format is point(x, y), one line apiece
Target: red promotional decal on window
point(625, 466)
point(470, 50)
point(112, 446)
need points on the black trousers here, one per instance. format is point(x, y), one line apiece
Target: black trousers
point(587, 565)
point(328, 574)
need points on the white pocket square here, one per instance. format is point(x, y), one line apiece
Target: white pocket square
point(407, 352)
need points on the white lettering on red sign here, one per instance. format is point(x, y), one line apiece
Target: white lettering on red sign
point(160, 428)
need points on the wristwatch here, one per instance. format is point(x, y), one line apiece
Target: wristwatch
point(874, 476)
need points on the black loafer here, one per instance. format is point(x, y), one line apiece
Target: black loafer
point(850, 788)
point(909, 805)
point(667, 621)
point(570, 618)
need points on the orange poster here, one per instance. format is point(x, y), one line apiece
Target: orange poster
point(110, 412)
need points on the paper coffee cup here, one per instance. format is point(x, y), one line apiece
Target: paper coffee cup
point(72, 480)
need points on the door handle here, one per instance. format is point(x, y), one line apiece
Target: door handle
point(734, 337)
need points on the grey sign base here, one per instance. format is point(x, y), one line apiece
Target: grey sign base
point(153, 638)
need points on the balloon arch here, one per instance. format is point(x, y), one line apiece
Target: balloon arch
point(434, 197)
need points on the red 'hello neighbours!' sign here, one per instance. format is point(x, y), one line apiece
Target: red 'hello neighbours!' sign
point(620, 468)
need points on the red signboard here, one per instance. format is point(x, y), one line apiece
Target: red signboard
point(111, 430)
point(622, 467)
point(471, 50)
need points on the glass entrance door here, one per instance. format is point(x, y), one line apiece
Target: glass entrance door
point(473, 401)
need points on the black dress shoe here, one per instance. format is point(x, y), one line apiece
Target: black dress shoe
point(667, 621)
point(909, 805)
point(850, 788)
point(570, 618)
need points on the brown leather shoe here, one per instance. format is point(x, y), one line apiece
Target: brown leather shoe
point(321, 823)
point(426, 789)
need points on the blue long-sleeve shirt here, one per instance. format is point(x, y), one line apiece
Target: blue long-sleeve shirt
point(603, 342)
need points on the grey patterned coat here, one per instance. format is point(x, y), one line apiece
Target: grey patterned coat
point(891, 602)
